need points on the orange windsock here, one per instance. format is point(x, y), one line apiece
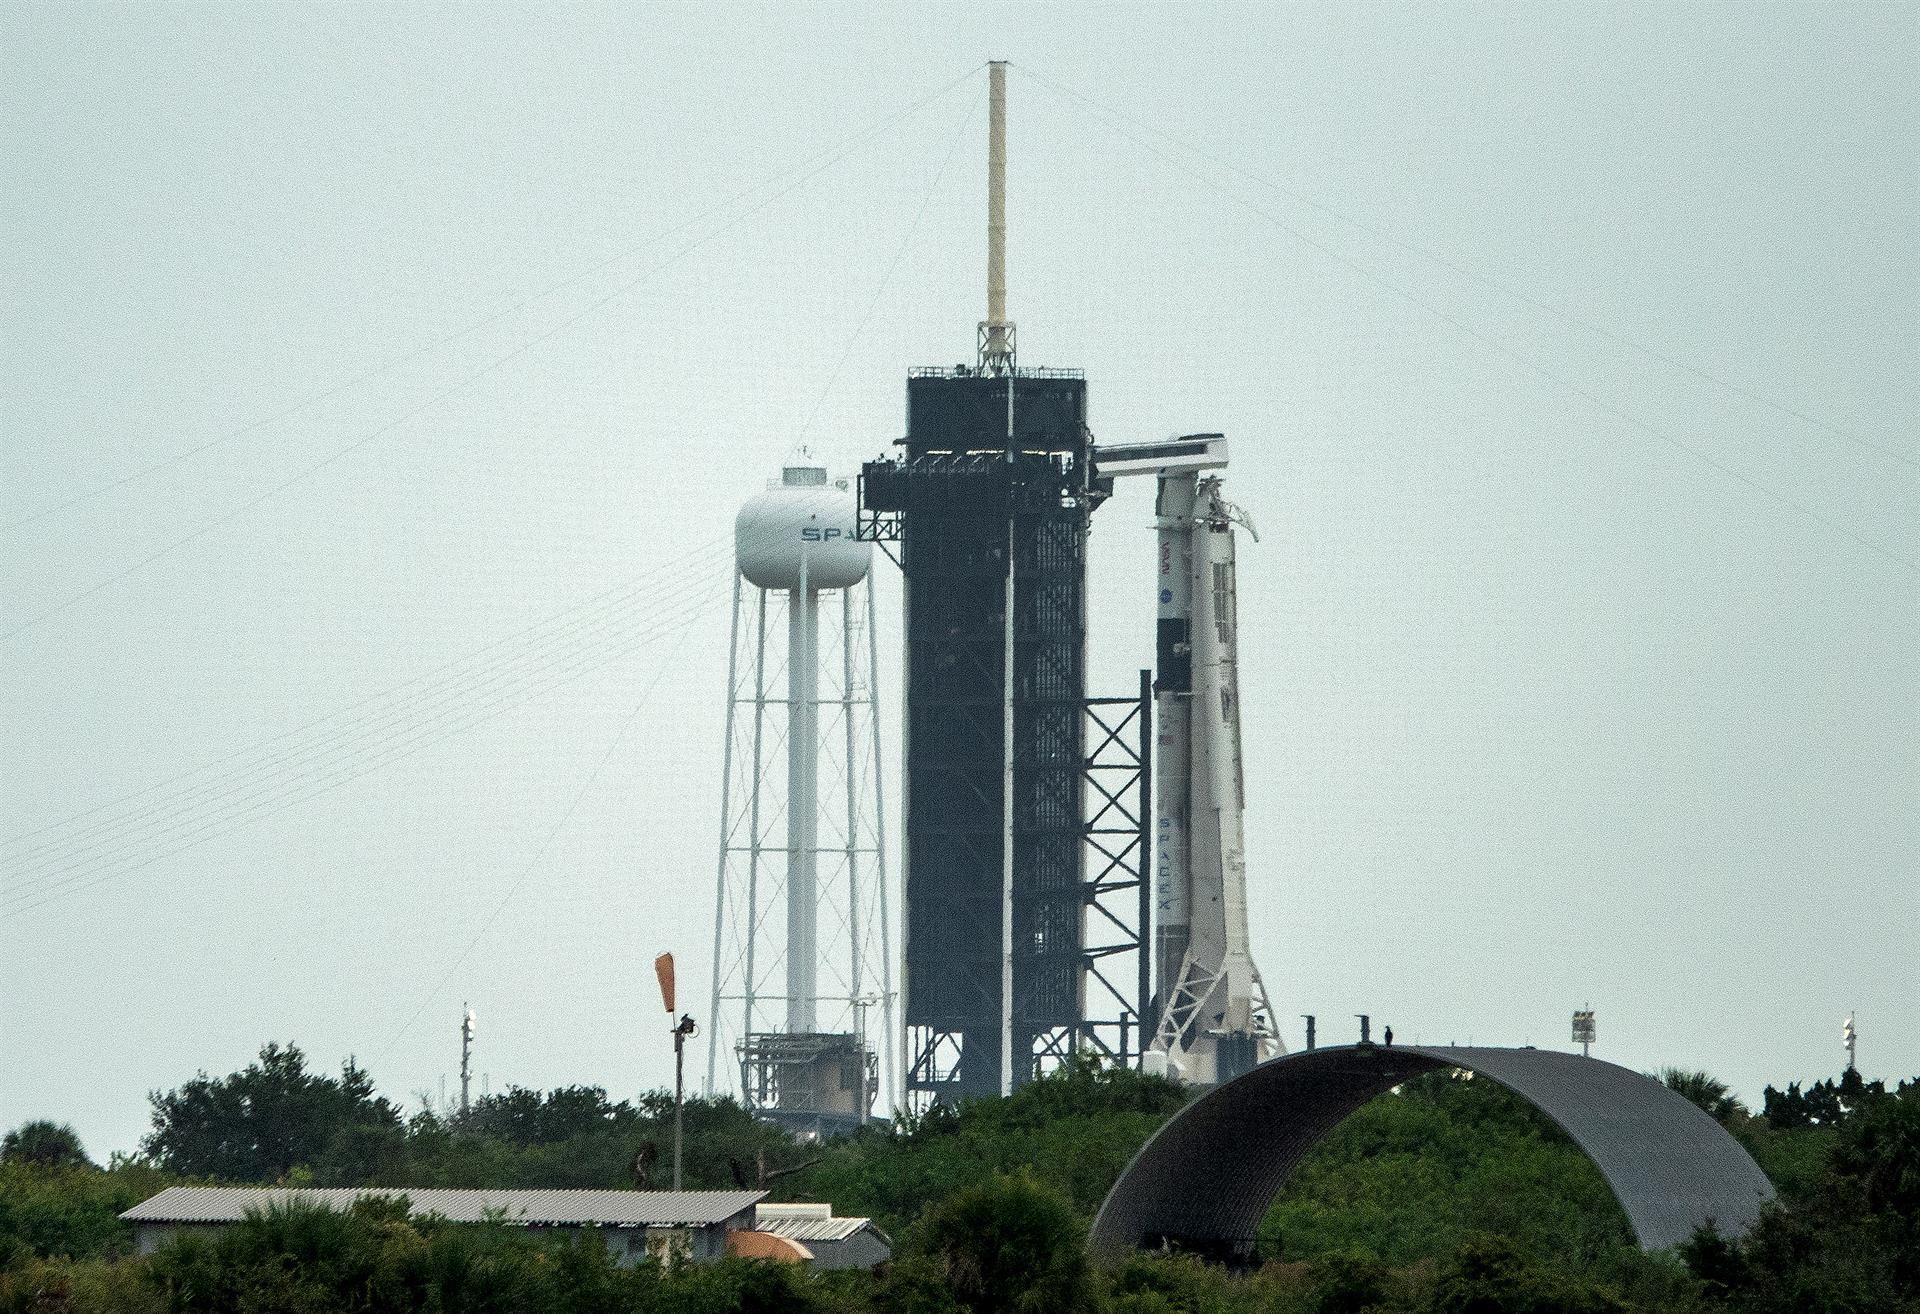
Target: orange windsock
point(663, 968)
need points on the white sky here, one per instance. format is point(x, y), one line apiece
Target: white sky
point(1571, 675)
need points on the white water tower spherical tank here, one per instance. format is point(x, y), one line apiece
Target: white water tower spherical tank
point(803, 517)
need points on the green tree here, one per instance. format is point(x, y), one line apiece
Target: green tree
point(1488, 1276)
point(43, 1144)
point(1826, 1103)
point(1414, 1173)
point(1348, 1284)
point(1880, 1149)
point(71, 1212)
point(1074, 1130)
point(257, 1124)
point(1706, 1092)
point(526, 1117)
point(1009, 1246)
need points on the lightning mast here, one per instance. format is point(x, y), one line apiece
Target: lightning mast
point(996, 331)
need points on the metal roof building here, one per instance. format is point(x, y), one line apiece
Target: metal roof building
point(1207, 1177)
point(634, 1224)
point(834, 1242)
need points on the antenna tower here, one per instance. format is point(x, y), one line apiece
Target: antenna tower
point(466, 1056)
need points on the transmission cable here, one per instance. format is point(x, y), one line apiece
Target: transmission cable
point(194, 823)
point(350, 750)
point(1473, 275)
point(1597, 401)
point(430, 716)
point(836, 154)
point(434, 400)
point(530, 635)
point(153, 850)
point(887, 277)
point(541, 851)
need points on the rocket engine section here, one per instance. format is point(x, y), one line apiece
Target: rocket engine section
point(1215, 1020)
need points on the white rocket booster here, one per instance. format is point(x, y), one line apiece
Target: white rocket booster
point(1215, 1020)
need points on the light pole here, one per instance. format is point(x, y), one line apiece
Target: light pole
point(682, 1031)
point(1584, 1030)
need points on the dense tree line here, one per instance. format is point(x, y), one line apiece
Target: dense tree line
point(1450, 1195)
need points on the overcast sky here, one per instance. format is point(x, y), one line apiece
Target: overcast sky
point(1570, 357)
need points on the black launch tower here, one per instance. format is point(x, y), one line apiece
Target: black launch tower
point(989, 479)
point(1019, 902)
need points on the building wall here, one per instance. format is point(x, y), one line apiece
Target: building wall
point(626, 1246)
point(863, 1249)
point(149, 1237)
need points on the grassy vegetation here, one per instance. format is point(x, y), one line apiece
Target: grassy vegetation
point(1449, 1195)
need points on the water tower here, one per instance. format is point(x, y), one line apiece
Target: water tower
point(803, 982)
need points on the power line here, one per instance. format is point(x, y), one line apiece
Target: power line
point(1599, 402)
point(437, 397)
point(1473, 275)
point(244, 810)
point(528, 654)
point(835, 154)
point(539, 853)
point(887, 277)
point(212, 805)
point(185, 826)
point(528, 639)
point(192, 832)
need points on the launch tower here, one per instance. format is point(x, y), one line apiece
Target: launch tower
point(1024, 907)
point(988, 506)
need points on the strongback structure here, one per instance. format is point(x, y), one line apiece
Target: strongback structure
point(802, 945)
point(1205, 1180)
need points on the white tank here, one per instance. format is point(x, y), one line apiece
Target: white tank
point(803, 517)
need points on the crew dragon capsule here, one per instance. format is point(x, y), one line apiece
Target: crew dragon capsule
point(1215, 1021)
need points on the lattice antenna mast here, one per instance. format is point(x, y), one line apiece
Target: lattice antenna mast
point(466, 1057)
point(996, 331)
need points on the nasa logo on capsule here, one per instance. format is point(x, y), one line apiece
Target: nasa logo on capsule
point(1166, 595)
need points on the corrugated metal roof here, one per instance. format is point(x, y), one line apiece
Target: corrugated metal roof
point(810, 1223)
point(229, 1204)
point(1210, 1171)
